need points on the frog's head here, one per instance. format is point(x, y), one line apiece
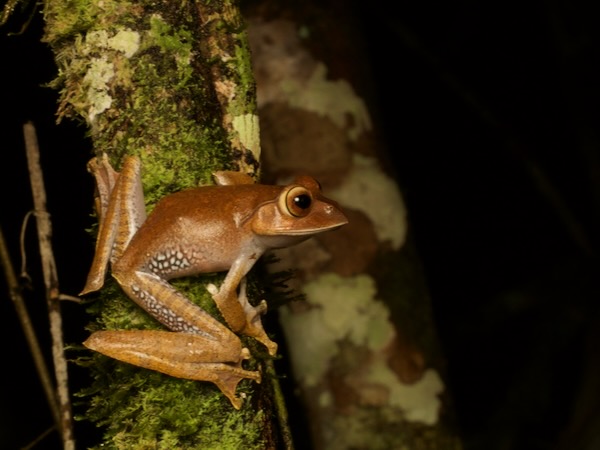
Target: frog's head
point(298, 212)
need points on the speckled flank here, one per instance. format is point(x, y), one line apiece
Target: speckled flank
point(168, 263)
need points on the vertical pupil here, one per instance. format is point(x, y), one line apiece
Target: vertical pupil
point(302, 201)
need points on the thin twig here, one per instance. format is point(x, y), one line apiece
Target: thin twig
point(24, 275)
point(51, 282)
point(70, 298)
point(16, 296)
point(38, 439)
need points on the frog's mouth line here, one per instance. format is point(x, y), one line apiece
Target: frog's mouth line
point(305, 232)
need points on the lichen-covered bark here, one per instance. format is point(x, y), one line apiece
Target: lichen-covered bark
point(362, 344)
point(170, 82)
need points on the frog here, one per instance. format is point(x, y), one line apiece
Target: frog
point(223, 227)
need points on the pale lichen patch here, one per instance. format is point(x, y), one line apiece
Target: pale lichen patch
point(96, 79)
point(365, 183)
point(342, 307)
point(291, 75)
point(125, 41)
point(312, 353)
point(94, 40)
point(335, 99)
point(247, 128)
point(345, 309)
point(419, 401)
point(100, 69)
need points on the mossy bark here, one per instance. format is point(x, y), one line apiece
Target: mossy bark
point(170, 82)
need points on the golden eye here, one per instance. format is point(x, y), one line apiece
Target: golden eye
point(298, 201)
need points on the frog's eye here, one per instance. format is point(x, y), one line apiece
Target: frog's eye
point(298, 201)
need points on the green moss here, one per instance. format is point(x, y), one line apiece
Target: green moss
point(68, 17)
point(113, 310)
point(144, 65)
point(243, 69)
point(177, 43)
point(150, 410)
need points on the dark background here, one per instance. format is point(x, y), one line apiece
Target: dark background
point(491, 113)
point(26, 66)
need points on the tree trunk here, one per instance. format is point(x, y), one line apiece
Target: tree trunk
point(362, 344)
point(170, 82)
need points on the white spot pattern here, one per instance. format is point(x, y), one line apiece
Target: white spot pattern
point(168, 263)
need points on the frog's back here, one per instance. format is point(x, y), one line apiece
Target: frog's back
point(209, 225)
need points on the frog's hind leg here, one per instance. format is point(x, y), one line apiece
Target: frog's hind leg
point(173, 309)
point(121, 211)
point(181, 355)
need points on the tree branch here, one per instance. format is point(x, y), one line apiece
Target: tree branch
point(44, 229)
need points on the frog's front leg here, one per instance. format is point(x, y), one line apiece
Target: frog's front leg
point(239, 314)
point(181, 355)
